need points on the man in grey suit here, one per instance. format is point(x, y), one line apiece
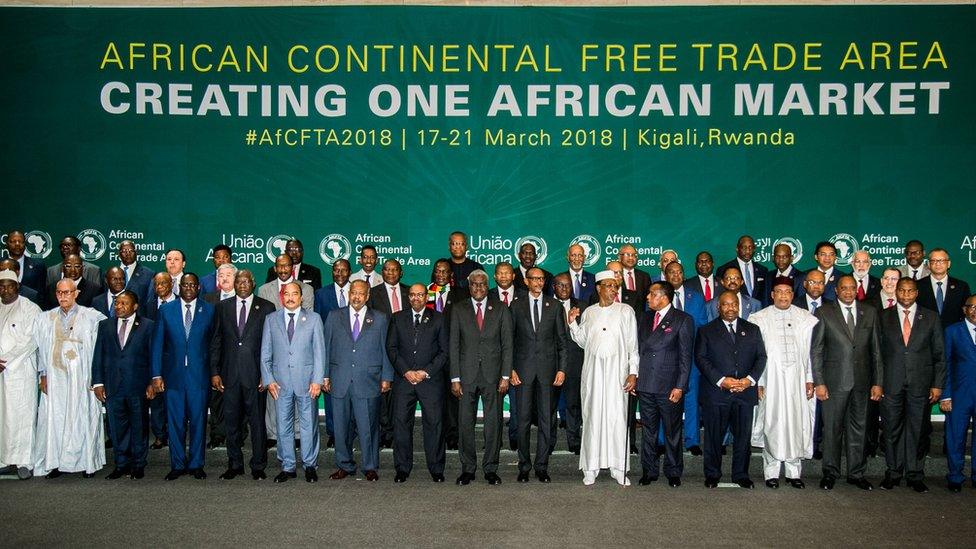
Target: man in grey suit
point(847, 372)
point(913, 353)
point(292, 366)
point(274, 291)
point(539, 368)
point(357, 373)
point(481, 363)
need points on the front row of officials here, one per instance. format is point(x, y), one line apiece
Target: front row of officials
point(846, 353)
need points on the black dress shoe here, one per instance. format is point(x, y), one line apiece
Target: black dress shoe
point(53, 473)
point(437, 477)
point(772, 483)
point(523, 476)
point(388, 443)
point(746, 483)
point(827, 483)
point(711, 483)
point(452, 445)
point(270, 443)
point(954, 487)
point(465, 479)
point(674, 482)
point(862, 483)
point(575, 450)
point(88, 475)
point(817, 454)
point(724, 450)
point(331, 442)
point(174, 474)
point(562, 423)
point(258, 474)
point(311, 475)
point(493, 479)
point(372, 476)
point(116, 474)
point(647, 479)
point(889, 483)
point(138, 473)
point(659, 450)
point(159, 444)
point(284, 476)
point(695, 450)
point(543, 477)
point(198, 474)
point(231, 473)
point(919, 486)
point(796, 483)
point(513, 444)
point(634, 450)
point(400, 477)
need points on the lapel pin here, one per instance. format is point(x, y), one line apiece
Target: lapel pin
point(489, 307)
point(742, 334)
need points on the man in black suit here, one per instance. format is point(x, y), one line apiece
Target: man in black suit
point(114, 285)
point(632, 278)
point(390, 297)
point(417, 345)
point(481, 363)
point(847, 373)
point(162, 293)
point(783, 260)
point(527, 255)
point(665, 338)
point(810, 296)
point(121, 379)
point(731, 355)
point(224, 284)
point(461, 265)
point(441, 295)
point(704, 280)
point(138, 277)
point(70, 245)
point(235, 373)
point(913, 353)
point(826, 258)
point(539, 365)
point(506, 293)
point(32, 272)
point(72, 268)
point(300, 270)
point(754, 275)
point(563, 287)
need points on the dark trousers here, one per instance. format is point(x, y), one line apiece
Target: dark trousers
point(844, 418)
point(818, 428)
point(128, 425)
point(386, 417)
point(513, 415)
point(245, 404)
point(904, 414)
point(718, 418)
point(539, 397)
point(157, 416)
point(570, 390)
point(872, 435)
point(405, 398)
point(450, 424)
point(468, 416)
point(632, 420)
point(217, 415)
point(186, 411)
point(656, 410)
point(957, 423)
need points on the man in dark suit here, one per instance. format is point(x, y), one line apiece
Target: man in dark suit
point(811, 294)
point(235, 373)
point(958, 399)
point(539, 365)
point(460, 264)
point(570, 390)
point(691, 302)
point(24, 291)
point(300, 270)
point(507, 293)
point(389, 298)
point(114, 285)
point(221, 255)
point(914, 372)
point(583, 282)
point(417, 346)
point(627, 297)
point(121, 380)
point(181, 368)
point(441, 295)
point(481, 364)
point(138, 277)
point(704, 280)
point(527, 255)
point(665, 338)
point(632, 278)
point(162, 294)
point(70, 245)
point(226, 273)
point(357, 373)
point(224, 288)
point(327, 299)
point(783, 260)
point(867, 284)
point(72, 268)
point(847, 372)
point(826, 258)
point(32, 272)
point(731, 355)
point(754, 275)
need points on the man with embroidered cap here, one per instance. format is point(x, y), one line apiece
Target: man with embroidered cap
point(18, 376)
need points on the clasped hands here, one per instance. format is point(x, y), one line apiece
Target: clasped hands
point(736, 385)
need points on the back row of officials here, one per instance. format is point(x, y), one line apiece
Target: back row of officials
point(230, 348)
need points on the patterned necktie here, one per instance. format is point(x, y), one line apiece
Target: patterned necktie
point(708, 291)
point(416, 326)
point(677, 301)
point(890, 302)
point(342, 297)
point(850, 320)
point(813, 306)
point(187, 321)
point(906, 328)
point(440, 302)
point(748, 273)
point(630, 281)
point(355, 328)
point(480, 317)
point(242, 318)
point(291, 326)
point(939, 297)
point(122, 332)
point(657, 320)
point(914, 274)
point(111, 309)
point(126, 271)
point(505, 297)
point(576, 286)
point(395, 299)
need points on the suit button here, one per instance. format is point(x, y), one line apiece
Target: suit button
point(354, 350)
point(239, 344)
point(289, 353)
point(415, 352)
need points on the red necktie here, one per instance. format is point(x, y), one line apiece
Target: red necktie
point(890, 302)
point(294, 272)
point(708, 291)
point(281, 294)
point(505, 297)
point(480, 317)
point(860, 290)
point(395, 299)
point(630, 281)
point(657, 320)
point(617, 297)
point(906, 328)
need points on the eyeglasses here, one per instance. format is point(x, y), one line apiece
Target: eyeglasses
point(938, 261)
point(64, 293)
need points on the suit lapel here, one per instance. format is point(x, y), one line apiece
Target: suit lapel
point(251, 313)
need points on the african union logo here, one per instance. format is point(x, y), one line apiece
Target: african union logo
point(334, 247)
point(276, 246)
point(795, 246)
point(38, 244)
point(541, 249)
point(591, 247)
point(846, 247)
point(93, 244)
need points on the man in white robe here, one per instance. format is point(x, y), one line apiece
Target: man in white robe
point(608, 336)
point(69, 437)
point(18, 377)
point(786, 386)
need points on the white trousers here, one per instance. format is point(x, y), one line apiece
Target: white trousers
point(772, 467)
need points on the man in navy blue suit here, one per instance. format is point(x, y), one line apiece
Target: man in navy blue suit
point(221, 256)
point(958, 399)
point(162, 293)
point(584, 282)
point(826, 258)
point(33, 272)
point(665, 338)
point(114, 285)
point(181, 368)
point(357, 373)
point(327, 299)
point(138, 277)
point(121, 380)
point(731, 355)
point(783, 261)
point(754, 275)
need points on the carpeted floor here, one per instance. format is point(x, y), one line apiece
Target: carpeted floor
point(95, 512)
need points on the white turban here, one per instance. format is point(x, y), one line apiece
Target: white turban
point(604, 275)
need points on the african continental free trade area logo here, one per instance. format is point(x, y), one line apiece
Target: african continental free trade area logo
point(541, 248)
point(846, 246)
point(276, 245)
point(334, 247)
point(796, 247)
point(38, 244)
point(93, 244)
point(591, 247)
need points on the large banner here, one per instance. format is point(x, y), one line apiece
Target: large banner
point(679, 127)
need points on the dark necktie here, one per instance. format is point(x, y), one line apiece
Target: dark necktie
point(242, 318)
point(939, 297)
point(677, 301)
point(536, 314)
point(416, 327)
point(291, 326)
point(187, 321)
point(850, 321)
point(576, 286)
point(111, 309)
point(732, 332)
point(480, 317)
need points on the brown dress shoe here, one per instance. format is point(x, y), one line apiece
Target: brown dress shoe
point(372, 476)
point(339, 474)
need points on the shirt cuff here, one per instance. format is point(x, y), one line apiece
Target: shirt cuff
point(157, 377)
point(505, 377)
point(97, 385)
point(753, 381)
point(720, 380)
point(455, 380)
point(945, 399)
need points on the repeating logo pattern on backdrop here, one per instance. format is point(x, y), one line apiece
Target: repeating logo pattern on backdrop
point(846, 246)
point(796, 247)
point(38, 244)
point(334, 247)
point(591, 248)
point(93, 244)
point(276, 245)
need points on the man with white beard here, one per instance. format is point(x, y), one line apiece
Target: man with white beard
point(786, 385)
point(69, 437)
point(18, 377)
point(868, 285)
point(608, 336)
